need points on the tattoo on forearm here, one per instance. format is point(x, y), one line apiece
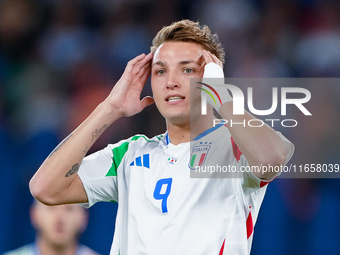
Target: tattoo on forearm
point(97, 133)
point(59, 146)
point(73, 170)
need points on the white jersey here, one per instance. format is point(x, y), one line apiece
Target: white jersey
point(161, 209)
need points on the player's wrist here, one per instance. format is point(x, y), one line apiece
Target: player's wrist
point(213, 78)
point(108, 111)
point(213, 70)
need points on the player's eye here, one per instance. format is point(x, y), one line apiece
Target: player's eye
point(188, 70)
point(160, 71)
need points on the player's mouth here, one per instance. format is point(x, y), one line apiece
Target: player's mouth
point(174, 98)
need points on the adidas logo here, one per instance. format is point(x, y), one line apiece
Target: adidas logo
point(142, 161)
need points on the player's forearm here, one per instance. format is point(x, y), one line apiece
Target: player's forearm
point(56, 175)
point(260, 145)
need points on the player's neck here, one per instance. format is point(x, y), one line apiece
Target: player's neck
point(187, 132)
point(178, 133)
point(46, 247)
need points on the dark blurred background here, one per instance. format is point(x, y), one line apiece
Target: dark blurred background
point(59, 59)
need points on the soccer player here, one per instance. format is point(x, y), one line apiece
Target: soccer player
point(161, 209)
point(58, 229)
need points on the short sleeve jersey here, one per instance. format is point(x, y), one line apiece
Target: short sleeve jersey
point(161, 210)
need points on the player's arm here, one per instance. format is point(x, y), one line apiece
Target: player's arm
point(56, 181)
point(261, 146)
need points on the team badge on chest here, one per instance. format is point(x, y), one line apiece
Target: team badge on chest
point(172, 160)
point(199, 154)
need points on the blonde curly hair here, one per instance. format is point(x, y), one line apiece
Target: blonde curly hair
point(190, 31)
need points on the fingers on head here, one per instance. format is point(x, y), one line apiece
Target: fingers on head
point(207, 56)
point(142, 64)
point(213, 58)
point(216, 60)
point(141, 68)
point(137, 59)
point(130, 65)
point(144, 72)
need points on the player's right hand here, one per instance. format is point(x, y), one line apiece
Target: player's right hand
point(125, 95)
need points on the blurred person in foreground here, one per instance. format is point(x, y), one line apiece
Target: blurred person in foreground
point(58, 229)
point(161, 210)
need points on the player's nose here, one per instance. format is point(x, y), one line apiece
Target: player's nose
point(172, 81)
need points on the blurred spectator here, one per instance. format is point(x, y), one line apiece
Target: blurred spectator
point(66, 41)
point(58, 229)
point(19, 22)
point(318, 50)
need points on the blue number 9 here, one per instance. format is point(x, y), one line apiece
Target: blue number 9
point(164, 197)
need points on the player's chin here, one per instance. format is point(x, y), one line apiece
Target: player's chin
point(179, 119)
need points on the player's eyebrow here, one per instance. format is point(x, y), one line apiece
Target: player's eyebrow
point(183, 62)
point(158, 63)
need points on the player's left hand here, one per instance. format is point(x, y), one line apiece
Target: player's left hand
point(209, 57)
point(214, 69)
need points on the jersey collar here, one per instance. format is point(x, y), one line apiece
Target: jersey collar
point(166, 138)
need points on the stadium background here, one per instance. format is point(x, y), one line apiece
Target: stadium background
point(59, 59)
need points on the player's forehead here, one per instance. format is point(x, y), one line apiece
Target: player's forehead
point(177, 52)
